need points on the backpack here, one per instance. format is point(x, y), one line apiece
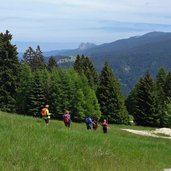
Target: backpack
point(88, 120)
point(104, 125)
point(66, 119)
point(44, 112)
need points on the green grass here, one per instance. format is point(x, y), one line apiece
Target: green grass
point(28, 144)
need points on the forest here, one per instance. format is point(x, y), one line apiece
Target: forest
point(26, 86)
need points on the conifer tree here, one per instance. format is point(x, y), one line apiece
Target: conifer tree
point(166, 119)
point(38, 60)
point(160, 94)
point(55, 94)
point(167, 87)
point(145, 102)
point(72, 92)
point(130, 101)
point(110, 98)
point(83, 65)
point(34, 58)
point(78, 107)
point(52, 64)
point(36, 97)
point(9, 71)
point(78, 64)
point(90, 104)
point(24, 87)
point(28, 57)
point(60, 94)
point(164, 100)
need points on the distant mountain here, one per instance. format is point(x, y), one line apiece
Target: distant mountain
point(129, 58)
point(70, 52)
point(85, 46)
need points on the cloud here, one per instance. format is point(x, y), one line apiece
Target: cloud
point(80, 20)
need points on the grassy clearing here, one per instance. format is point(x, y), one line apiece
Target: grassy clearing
point(28, 144)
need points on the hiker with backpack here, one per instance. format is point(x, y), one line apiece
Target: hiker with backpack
point(88, 122)
point(67, 119)
point(45, 114)
point(105, 126)
point(95, 123)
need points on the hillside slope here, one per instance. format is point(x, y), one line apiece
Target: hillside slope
point(131, 58)
point(28, 144)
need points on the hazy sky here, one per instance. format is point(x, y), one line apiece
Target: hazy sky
point(70, 22)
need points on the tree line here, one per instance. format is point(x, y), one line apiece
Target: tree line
point(27, 85)
point(150, 100)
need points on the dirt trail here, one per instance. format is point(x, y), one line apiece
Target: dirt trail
point(158, 133)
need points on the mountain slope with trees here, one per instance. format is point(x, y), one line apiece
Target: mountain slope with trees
point(130, 58)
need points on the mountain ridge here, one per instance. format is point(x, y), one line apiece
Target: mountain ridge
point(129, 58)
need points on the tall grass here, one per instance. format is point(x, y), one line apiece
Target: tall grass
point(28, 144)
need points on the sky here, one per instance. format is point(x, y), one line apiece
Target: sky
point(62, 24)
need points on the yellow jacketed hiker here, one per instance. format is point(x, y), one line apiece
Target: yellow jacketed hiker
point(45, 114)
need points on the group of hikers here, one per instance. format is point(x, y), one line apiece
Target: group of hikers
point(90, 124)
point(94, 124)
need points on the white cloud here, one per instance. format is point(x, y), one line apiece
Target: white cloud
point(70, 20)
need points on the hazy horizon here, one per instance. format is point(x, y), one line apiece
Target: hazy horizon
point(70, 22)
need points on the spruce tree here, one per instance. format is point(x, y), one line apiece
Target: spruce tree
point(38, 60)
point(167, 87)
point(78, 64)
point(83, 65)
point(166, 119)
point(36, 96)
point(28, 57)
point(52, 64)
point(9, 71)
point(90, 103)
point(160, 94)
point(34, 58)
point(72, 92)
point(24, 88)
point(55, 94)
point(145, 102)
point(130, 101)
point(110, 98)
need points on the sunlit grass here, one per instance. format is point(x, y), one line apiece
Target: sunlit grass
point(28, 144)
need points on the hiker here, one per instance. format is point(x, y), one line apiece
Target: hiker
point(67, 119)
point(95, 124)
point(88, 122)
point(45, 114)
point(104, 126)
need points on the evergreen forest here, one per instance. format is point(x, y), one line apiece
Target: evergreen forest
point(26, 86)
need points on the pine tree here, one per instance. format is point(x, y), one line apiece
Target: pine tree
point(24, 88)
point(9, 71)
point(167, 87)
point(130, 101)
point(166, 120)
point(83, 65)
point(78, 108)
point(110, 98)
point(55, 94)
point(145, 102)
point(36, 97)
point(160, 94)
point(90, 103)
point(52, 64)
point(38, 60)
point(78, 64)
point(72, 92)
point(34, 58)
point(28, 57)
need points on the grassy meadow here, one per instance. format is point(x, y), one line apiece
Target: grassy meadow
point(28, 144)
